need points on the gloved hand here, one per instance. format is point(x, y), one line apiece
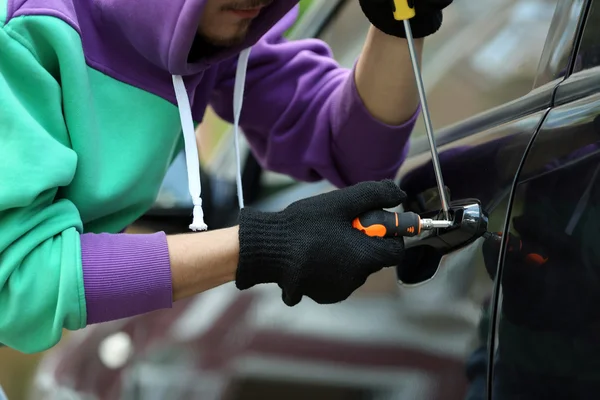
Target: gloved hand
point(311, 249)
point(427, 19)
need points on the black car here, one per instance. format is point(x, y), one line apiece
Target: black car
point(503, 309)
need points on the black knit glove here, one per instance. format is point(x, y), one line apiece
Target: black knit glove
point(311, 249)
point(427, 19)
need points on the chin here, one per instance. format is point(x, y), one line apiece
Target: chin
point(225, 39)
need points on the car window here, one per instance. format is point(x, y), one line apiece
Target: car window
point(486, 53)
point(560, 42)
point(588, 55)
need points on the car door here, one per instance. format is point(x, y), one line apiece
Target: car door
point(480, 158)
point(548, 341)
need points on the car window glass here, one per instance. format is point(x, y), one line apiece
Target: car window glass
point(560, 41)
point(588, 55)
point(486, 53)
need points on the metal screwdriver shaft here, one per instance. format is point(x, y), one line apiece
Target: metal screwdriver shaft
point(428, 126)
point(384, 223)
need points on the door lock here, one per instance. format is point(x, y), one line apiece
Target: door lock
point(424, 253)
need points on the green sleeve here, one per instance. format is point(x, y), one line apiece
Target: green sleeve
point(41, 283)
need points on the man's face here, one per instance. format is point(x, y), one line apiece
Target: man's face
point(226, 22)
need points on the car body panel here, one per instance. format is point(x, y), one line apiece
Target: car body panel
point(548, 331)
point(548, 337)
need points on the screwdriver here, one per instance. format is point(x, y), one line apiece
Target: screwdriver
point(404, 12)
point(381, 223)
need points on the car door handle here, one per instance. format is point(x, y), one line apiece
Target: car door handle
point(424, 253)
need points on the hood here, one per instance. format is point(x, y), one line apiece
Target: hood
point(163, 30)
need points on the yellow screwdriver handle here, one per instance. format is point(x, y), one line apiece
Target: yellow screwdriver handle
point(403, 10)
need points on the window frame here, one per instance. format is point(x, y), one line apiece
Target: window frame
point(585, 82)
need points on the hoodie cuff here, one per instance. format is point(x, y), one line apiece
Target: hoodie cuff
point(125, 275)
point(365, 146)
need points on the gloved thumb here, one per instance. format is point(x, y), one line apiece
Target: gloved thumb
point(290, 299)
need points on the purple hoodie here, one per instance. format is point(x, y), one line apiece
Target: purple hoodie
point(301, 114)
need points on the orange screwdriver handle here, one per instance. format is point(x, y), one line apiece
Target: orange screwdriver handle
point(381, 223)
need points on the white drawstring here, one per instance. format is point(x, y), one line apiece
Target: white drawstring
point(191, 152)
point(191, 147)
point(238, 101)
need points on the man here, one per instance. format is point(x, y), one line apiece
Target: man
point(93, 97)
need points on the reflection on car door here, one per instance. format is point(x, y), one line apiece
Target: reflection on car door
point(549, 321)
point(480, 166)
point(549, 335)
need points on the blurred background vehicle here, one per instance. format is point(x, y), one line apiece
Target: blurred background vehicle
point(511, 86)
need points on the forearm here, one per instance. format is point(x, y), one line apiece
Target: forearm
point(131, 274)
point(202, 261)
point(384, 77)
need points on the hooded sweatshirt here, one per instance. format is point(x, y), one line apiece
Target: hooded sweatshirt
point(94, 96)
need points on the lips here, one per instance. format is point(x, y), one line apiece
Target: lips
point(249, 13)
point(248, 9)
